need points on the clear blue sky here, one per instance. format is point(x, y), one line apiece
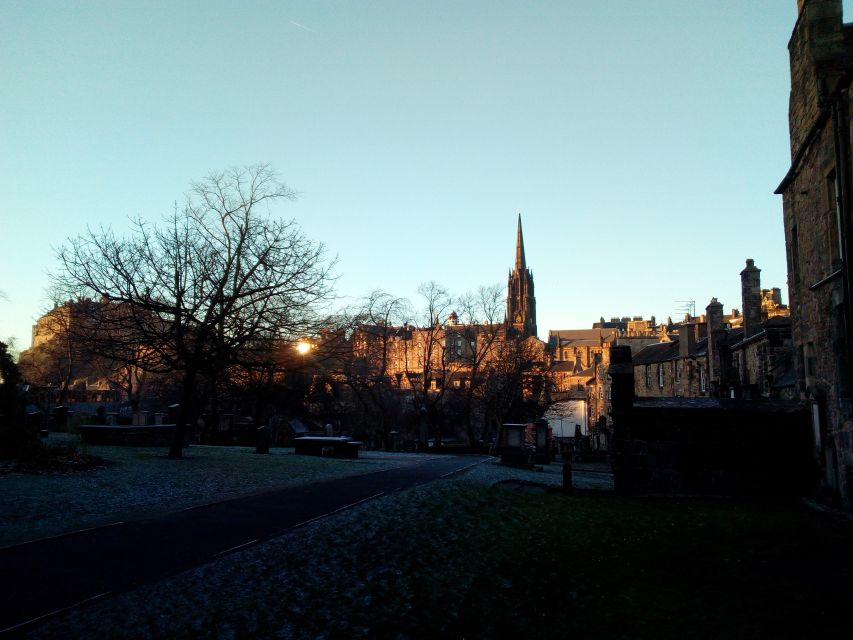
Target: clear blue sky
point(640, 140)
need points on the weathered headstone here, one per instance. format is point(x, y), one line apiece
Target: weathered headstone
point(567, 478)
point(263, 440)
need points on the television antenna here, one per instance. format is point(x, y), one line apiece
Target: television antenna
point(686, 306)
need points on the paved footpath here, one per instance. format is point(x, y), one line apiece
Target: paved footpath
point(44, 577)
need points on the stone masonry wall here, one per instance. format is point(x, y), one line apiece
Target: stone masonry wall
point(816, 299)
point(816, 40)
point(687, 384)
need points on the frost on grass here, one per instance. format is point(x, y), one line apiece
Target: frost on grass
point(357, 574)
point(139, 480)
point(456, 558)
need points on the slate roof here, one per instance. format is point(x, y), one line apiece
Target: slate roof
point(569, 367)
point(579, 337)
point(666, 351)
point(777, 321)
point(563, 367)
point(735, 335)
point(776, 325)
point(589, 372)
point(581, 334)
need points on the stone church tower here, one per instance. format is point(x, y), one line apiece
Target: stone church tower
point(520, 301)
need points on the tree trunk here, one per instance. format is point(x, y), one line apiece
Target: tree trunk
point(176, 450)
point(473, 440)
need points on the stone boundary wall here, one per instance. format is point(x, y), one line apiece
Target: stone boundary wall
point(720, 450)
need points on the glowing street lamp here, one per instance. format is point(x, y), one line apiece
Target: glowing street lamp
point(302, 348)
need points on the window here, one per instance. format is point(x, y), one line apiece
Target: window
point(677, 366)
point(660, 375)
point(648, 376)
point(457, 347)
point(703, 382)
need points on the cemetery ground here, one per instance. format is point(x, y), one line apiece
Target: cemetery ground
point(471, 556)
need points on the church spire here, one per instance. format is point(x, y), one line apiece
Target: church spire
point(520, 302)
point(520, 263)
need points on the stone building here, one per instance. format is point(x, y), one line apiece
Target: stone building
point(577, 354)
point(629, 326)
point(759, 362)
point(449, 347)
point(580, 357)
point(59, 365)
point(451, 357)
point(60, 322)
point(674, 368)
point(741, 355)
point(816, 196)
point(575, 350)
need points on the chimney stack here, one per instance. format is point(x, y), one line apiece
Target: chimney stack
point(714, 323)
point(776, 296)
point(686, 339)
point(750, 291)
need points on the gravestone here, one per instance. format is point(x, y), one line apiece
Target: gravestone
point(263, 440)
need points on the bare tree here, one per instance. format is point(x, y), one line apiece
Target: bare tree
point(478, 341)
point(428, 371)
point(514, 381)
point(379, 326)
point(219, 282)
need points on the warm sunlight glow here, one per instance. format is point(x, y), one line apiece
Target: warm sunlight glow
point(303, 347)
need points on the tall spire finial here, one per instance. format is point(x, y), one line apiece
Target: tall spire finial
point(520, 263)
point(520, 300)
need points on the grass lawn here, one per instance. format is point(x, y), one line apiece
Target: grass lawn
point(460, 559)
point(138, 480)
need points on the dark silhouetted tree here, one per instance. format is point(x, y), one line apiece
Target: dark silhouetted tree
point(219, 282)
point(15, 439)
